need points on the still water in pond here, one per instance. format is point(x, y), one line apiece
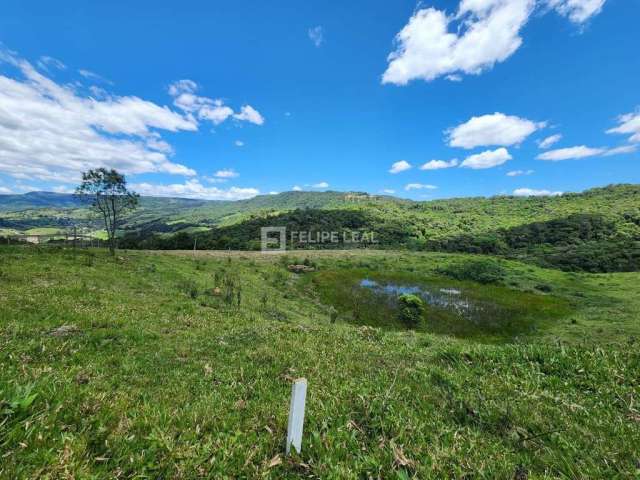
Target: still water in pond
point(450, 299)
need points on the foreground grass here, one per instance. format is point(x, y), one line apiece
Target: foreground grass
point(163, 380)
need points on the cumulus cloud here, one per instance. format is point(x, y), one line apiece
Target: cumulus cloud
point(435, 44)
point(320, 185)
point(400, 166)
point(494, 129)
point(530, 192)
point(204, 108)
point(419, 186)
point(194, 189)
point(51, 132)
point(518, 173)
point(628, 124)
point(549, 141)
point(476, 37)
point(249, 114)
point(297, 188)
point(578, 11)
point(487, 159)
point(316, 35)
point(439, 164)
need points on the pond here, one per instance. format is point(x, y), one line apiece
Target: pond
point(453, 300)
point(491, 313)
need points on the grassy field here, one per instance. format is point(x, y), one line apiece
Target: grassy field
point(158, 375)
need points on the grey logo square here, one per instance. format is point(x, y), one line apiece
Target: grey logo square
point(273, 239)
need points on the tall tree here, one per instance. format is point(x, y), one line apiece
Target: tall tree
point(106, 191)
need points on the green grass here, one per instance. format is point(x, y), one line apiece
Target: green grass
point(44, 231)
point(164, 380)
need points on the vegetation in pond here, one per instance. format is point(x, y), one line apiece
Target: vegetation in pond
point(386, 299)
point(411, 310)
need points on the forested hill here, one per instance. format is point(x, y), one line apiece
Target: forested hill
point(596, 230)
point(427, 219)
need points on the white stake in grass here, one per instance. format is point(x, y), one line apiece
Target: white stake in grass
point(296, 414)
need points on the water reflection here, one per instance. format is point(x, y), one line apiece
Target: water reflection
point(451, 299)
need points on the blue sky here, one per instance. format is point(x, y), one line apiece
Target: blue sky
point(228, 99)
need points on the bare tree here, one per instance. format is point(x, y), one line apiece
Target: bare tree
point(106, 191)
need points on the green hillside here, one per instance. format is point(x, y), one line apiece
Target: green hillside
point(132, 367)
point(596, 230)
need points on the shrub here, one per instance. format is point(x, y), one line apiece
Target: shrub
point(411, 310)
point(543, 287)
point(189, 287)
point(481, 271)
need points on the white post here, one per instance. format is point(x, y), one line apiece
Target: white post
point(296, 414)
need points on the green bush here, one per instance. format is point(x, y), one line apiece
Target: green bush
point(411, 310)
point(481, 271)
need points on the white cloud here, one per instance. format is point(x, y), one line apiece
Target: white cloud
point(50, 132)
point(582, 151)
point(320, 185)
point(62, 189)
point(439, 164)
point(89, 75)
point(629, 124)
point(274, 193)
point(530, 192)
point(571, 153)
point(487, 159)
point(578, 11)
point(518, 173)
point(249, 114)
point(5, 191)
point(316, 35)
point(182, 86)
point(479, 35)
point(388, 191)
point(620, 150)
point(194, 189)
point(239, 143)
point(204, 108)
point(226, 173)
point(434, 44)
point(549, 141)
point(297, 188)
point(400, 166)
point(45, 62)
point(495, 129)
point(419, 186)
